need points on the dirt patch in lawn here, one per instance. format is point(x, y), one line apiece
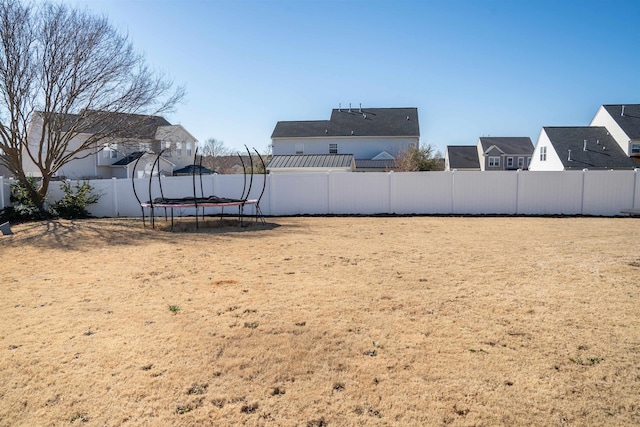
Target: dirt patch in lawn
point(322, 321)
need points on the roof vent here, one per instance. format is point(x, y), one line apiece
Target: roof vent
point(584, 146)
point(569, 157)
point(340, 107)
point(326, 131)
point(622, 113)
point(360, 109)
point(351, 132)
point(364, 115)
point(407, 117)
point(349, 107)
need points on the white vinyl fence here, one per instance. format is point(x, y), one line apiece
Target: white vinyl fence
point(602, 193)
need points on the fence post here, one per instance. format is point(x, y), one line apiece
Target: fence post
point(114, 191)
point(389, 210)
point(517, 189)
point(2, 206)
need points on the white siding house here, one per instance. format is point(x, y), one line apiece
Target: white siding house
point(623, 122)
point(105, 157)
point(375, 137)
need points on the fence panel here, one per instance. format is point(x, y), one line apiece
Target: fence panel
point(302, 193)
point(550, 193)
point(606, 193)
point(359, 193)
point(485, 192)
point(421, 192)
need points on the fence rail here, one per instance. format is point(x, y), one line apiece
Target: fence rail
point(602, 193)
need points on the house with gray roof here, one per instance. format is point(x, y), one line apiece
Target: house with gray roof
point(623, 123)
point(120, 140)
point(577, 148)
point(504, 153)
point(461, 157)
point(374, 137)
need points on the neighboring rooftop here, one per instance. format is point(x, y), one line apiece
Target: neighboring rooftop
point(508, 144)
point(130, 125)
point(463, 157)
point(356, 122)
point(627, 117)
point(311, 161)
point(602, 151)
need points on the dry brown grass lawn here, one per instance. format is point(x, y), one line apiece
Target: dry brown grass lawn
point(322, 321)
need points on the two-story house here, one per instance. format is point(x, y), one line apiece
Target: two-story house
point(114, 156)
point(623, 123)
point(577, 148)
point(353, 139)
point(491, 153)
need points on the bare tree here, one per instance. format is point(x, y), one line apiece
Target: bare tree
point(216, 155)
point(419, 159)
point(65, 72)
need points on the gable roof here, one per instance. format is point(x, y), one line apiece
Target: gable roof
point(129, 159)
point(120, 124)
point(463, 157)
point(629, 121)
point(311, 161)
point(602, 150)
point(355, 122)
point(508, 145)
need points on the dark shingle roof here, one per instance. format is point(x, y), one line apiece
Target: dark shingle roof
point(193, 169)
point(630, 121)
point(463, 157)
point(375, 164)
point(602, 152)
point(509, 144)
point(118, 125)
point(311, 161)
point(355, 122)
point(129, 159)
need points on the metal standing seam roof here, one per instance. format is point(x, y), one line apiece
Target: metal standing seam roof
point(356, 122)
point(602, 152)
point(311, 161)
point(629, 121)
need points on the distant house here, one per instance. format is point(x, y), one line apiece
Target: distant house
point(114, 157)
point(461, 157)
point(577, 148)
point(374, 137)
point(504, 153)
point(623, 123)
point(312, 163)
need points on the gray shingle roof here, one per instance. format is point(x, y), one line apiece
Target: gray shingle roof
point(311, 161)
point(355, 122)
point(509, 144)
point(602, 152)
point(463, 157)
point(630, 122)
point(129, 159)
point(119, 125)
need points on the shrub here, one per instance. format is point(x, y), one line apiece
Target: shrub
point(23, 208)
point(73, 204)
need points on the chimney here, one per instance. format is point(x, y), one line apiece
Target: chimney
point(349, 107)
point(569, 157)
point(622, 113)
point(584, 146)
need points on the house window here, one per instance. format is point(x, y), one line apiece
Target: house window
point(299, 148)
point(509, 162)
point(188, 145)
point(167, 147)
point(635, 148)
point(333, 148)
point(113, 151)
point(543, 154)
point(179, 149)
point(494, 162)
point(520, 162)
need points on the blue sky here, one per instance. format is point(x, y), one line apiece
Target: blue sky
point(472, 68)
